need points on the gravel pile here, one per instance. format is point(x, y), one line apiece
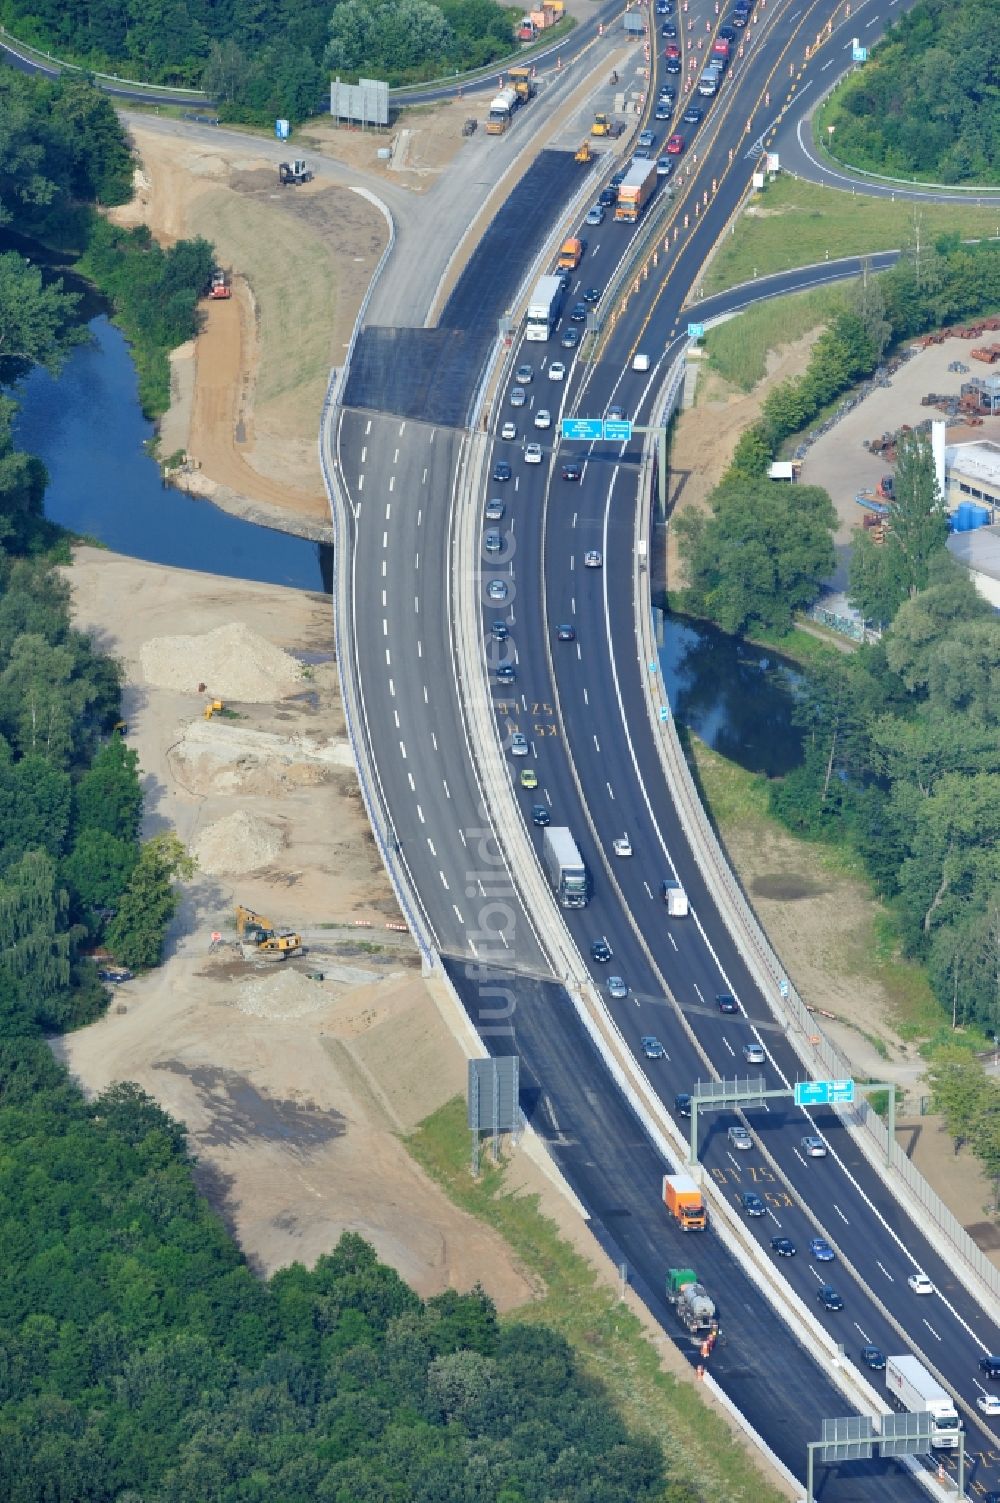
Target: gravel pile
point(286, 994)
point(233, 661)
point(238, 843)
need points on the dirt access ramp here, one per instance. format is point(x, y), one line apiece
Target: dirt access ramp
point(247, 394)
point(294, 1090)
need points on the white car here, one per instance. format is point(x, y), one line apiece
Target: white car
point(813, 1147)
point(543, 418)
point(920, 1283)
point(557, 371)
point(532, 453)
point(989, 1403)
point(622, 846)
point(592, 559)
point(509, 430)
point(518, 744)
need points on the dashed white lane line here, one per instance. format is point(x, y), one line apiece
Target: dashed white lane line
point(447, 794)
point(385, 601)
point(729, 1047)
point(420, 649)
point(672, 940)
point(444, 881)
point(385, 568)
point(579, 654)
point(863, 1334)
point(419, 515)
point(361, 482)
point(461, 836)
point(416, 605)
point(388, 508)
point(368, 427)
point(388, 657)
point(434, 741)
point(392, 689)
point(841, 1214)
point(648, 888)
point(586, 697)
point(395, 714)
point(699, 993)
point(420, 815)
point(885, 1271)
point(364, 453)
point(413, 786)
point(608, 786)
point(457, 913)
point(932, 1330)
point(430, 846)
point(416, 562)
point(385, 627)
point(402, 748)
point(597, 744)
point(385, 540)
point(395, 457)
point(424, 480)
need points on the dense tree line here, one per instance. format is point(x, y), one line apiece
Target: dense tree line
point(927, 103)
point(264, 61)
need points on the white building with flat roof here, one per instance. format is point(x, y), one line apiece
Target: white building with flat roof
point(972, 474)
point(979, 552)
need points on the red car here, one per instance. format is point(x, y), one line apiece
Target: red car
point(675, 146)
point(671, 50)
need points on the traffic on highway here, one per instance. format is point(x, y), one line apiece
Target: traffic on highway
point(554, 592)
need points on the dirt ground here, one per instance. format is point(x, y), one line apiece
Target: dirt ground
point(246, 398)
point(708, 431)
point(294, 1090)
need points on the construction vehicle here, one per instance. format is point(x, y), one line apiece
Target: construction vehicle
point(291, 174)
point(470, 127)
point(522, 82)
point(694, 1305)
point(502, 107)
point(254, 929)
point(583, 153)
point(221, 286)
point(604, 126)
point(884, 491)
point(214, 707)
point(682, 1199)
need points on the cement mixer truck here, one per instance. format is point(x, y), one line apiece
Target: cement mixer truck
point(694, 1305)
point(502, 108)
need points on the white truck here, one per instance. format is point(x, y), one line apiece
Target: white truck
point(544, 308)
point(565, 866)
point(911, 1387)
point(676, 900)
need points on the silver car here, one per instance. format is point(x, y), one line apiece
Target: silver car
point(813, 1147)
point(517, 397)
point(617, 988)
point(739, 1139)
point(518, 744)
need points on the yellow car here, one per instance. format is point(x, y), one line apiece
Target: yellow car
point(529, 777)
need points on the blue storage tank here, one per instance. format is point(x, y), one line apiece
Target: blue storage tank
point(961, 517)
point(979, 516)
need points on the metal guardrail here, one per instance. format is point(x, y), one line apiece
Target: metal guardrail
point(30, 54)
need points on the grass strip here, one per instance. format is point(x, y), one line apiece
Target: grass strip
point(738, 349)
point(609, 1340)
point(794, 223)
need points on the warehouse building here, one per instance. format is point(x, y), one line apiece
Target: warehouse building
point(972, 481)
point(979, 552)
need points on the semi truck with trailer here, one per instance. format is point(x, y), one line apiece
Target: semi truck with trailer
point(565, 866)
point(634, 191)
point(544, 308)
point(683, 1200)
point(911, 1387)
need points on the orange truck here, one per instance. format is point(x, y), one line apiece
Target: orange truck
point(571, 254)
point(682, 1199)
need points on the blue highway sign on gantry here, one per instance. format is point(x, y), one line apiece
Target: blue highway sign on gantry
point(617, 430)
point(585, 430)
point(823, 1092)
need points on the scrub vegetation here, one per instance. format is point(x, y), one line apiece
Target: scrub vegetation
point(738, 349)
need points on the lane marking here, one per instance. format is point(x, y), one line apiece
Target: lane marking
point(430, 846)
point(444, 881)
point(932, 1330)
point(885, 1271)
point(420, 815)
point(402, 748)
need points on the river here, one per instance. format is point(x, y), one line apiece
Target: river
point(88, 428)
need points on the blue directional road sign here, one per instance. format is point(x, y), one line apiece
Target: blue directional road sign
point(617, 430)
point(696, 331)
point(823, 1092)
point(585, 430)
point(859, 54)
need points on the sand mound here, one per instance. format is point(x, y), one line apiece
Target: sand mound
point(286, 994)
point(238, 843)
point(233, 661)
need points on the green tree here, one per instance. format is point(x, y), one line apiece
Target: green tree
point(881, 578)
point(98, 868)
point(137, 931)
point(108, 796)
point(22, 489)
point(38, 322)
point(393, 37)
point(35, 800)
point(761, 555)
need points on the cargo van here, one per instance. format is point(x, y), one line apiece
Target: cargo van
point(709, 81)
point(640, 362)
point(571, 254)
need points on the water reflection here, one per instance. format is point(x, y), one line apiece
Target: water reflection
point(737, 698)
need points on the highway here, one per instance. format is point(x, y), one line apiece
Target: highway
point(581, 703)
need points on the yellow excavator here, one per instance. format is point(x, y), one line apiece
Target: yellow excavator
point(254, 929)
